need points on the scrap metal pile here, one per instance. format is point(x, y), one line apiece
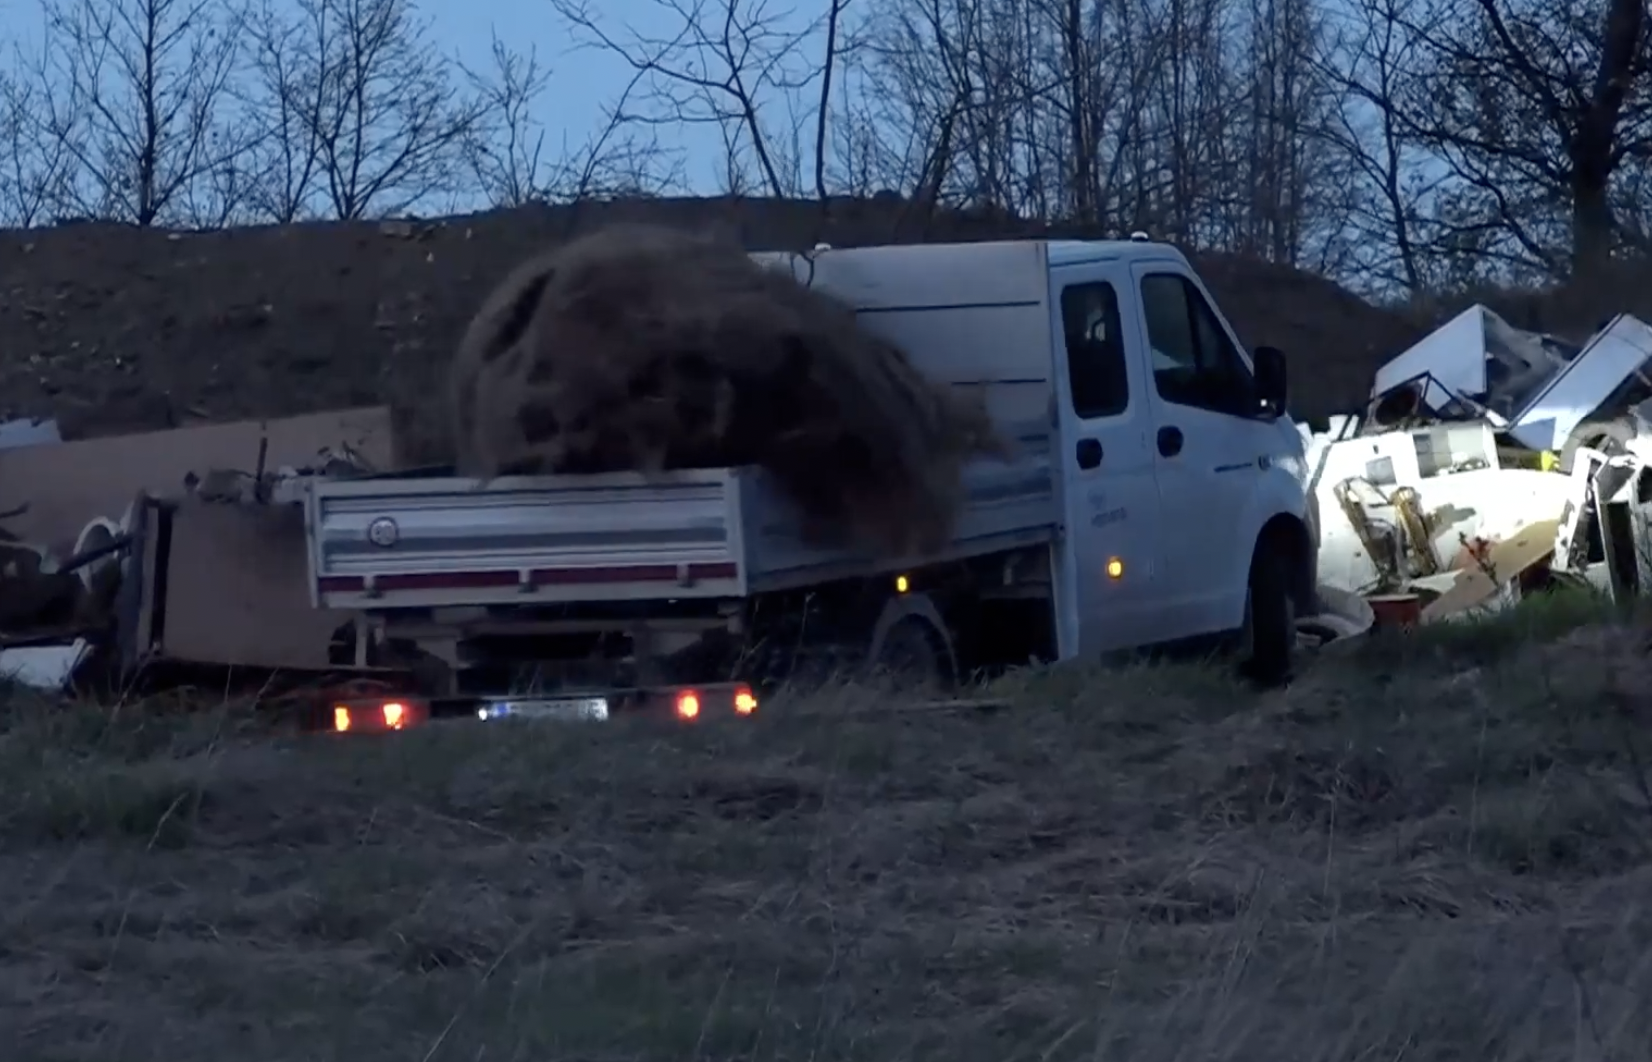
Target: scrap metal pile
point(183, 544)
point(1490, 460)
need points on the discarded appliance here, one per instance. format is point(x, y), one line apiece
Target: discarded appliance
point(183, 545)
point(43, 667)
point(1608, 519)
point(1343, 617)
point(1431, 513)
point(28, 432)
point(1540, 391)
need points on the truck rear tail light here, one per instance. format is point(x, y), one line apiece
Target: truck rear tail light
point(691, 704)
point(377, 716)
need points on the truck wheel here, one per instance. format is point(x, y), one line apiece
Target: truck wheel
point(1269, 642)
point(909, 651)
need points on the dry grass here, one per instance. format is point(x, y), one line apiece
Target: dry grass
point(1427, 851)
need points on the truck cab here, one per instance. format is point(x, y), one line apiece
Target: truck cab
point(1183, 479)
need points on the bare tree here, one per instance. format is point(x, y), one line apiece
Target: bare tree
point(1537, 108)
point(823, 110)
point(614, 161)
point(721, 64)
point(1372, 59)
point(136, 93)
point(360, 114)
point(506, 148)
point(920, 61)
point(34, 167)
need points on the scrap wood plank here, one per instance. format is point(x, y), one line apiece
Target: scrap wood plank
point(1505, 560)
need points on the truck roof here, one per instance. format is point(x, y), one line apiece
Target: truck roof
point(1072, 252)
point(992, 272)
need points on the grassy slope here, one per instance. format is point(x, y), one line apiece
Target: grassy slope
point(1430, 851)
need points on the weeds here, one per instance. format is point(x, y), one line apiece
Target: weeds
point(1435, 848)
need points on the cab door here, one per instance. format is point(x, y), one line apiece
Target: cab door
point(1106, 565)
point(1210, 447)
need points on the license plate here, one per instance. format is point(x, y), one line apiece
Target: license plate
point(569, 709)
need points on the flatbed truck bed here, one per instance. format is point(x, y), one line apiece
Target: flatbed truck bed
point(419, 542)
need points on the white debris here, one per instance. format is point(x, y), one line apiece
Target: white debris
point(43, 667)
point(28, 432)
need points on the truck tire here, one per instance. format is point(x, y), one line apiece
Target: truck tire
point(910, 656)
point(1269, 638)
point(1607, 436)
point(910, 645)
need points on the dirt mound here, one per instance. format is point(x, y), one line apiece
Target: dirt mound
point(112, 328)
point(1333, 340)
point(650, 348)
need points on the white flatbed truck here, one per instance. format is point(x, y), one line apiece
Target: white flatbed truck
point(1157, 494)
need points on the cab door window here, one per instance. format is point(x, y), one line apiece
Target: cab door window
point(1096, 371)
point(1194, 361)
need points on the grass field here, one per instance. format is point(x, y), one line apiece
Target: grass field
point(1432, 848)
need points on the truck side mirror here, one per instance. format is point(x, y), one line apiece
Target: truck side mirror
point(1271, 385)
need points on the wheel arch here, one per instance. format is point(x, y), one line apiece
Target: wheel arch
point(1290, 536)
point(918, 607)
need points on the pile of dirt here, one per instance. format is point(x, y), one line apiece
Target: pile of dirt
point(1334, 341)
point(647, 348)
point(113, 328)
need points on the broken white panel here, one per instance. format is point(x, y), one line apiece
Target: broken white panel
point(1453, 354)
point(1492, 505)
point(43, 667)
point(1403, 458)
point(1569, 553)
point(28, 432)
point(1621, 489)
point(1480, 357)
point(1489, 503)
point(1613, 355)
point(1380, 464)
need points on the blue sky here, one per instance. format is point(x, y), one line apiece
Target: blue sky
point(584, 79)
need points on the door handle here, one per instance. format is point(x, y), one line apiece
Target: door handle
point(1089, 453)
point(1170, 441)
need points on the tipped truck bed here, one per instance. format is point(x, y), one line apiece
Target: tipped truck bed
point(389, 542)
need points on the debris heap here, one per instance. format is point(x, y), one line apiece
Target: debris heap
point(641, 348)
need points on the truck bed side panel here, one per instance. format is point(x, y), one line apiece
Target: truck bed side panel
point(528, 540)
point(723, 533)
point(1006, 505)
